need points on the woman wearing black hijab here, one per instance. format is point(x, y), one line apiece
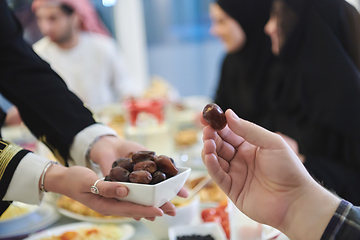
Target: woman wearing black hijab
point(316, 91)
point(240, 25)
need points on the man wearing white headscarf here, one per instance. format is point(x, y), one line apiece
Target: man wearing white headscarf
point(78, 47)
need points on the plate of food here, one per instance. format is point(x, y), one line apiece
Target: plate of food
point(16, 211)
point(22, 219)
point(75, 210)
point(210, 195)
point(86, 230)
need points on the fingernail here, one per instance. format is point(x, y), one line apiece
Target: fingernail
point(162, 213)
point(171, 213)
point(121, 192)
point(234, 116)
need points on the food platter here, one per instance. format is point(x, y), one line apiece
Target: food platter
point(75, 210)
point(94, 219)
point(17, 210)
point(37, 218)
point(210, 195)
point(126, 230)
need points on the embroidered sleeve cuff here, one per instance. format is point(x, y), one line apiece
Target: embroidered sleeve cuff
point(84, 139)
point(26, 178)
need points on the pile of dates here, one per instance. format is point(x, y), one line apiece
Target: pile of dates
point(142, 167)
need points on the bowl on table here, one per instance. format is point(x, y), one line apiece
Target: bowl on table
point(186, 214)
point(158, 194)
point(211, 228)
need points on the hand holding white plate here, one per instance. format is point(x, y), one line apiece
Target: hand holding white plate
point(158, 194)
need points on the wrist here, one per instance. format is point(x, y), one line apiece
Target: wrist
point(309, 215)
point(104, 152)
point(53, 179)
point(42, 177)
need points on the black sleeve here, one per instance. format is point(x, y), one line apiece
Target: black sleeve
point(52, 113)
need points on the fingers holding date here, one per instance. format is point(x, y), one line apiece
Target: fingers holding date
point(215, 116)
point(142, 167)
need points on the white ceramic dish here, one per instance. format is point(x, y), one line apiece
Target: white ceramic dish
point(241, 225)
point(42, 217)
point(185, 215)
point(270, 232)
point(93, 219)
point(213, 229)
point(127, 230)
point(158, 194)
point(26, 208)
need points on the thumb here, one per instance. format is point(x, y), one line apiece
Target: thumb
point(253, 133)
point(112, 189)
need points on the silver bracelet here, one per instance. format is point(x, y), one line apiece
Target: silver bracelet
point(87, 154)
point(43, 174)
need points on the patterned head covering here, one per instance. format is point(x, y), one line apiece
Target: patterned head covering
point(90, 21)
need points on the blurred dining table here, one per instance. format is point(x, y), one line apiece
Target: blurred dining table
point(178, 136)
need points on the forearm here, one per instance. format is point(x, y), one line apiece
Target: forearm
point(309, 215)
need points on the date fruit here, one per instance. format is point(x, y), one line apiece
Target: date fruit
point(149, 166)
point(124, 163)
point(140, 176)
point(215, 116)
point(143, 156)
point(119, 174)
point(158, 176)
point(165, 165)
point(143, 167)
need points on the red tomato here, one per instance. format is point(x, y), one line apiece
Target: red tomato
point(223, 215)
point(227, 231)
point(208, 213)
point(218, 214)
point(213, 218)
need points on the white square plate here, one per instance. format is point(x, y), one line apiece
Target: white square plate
point(158, 194)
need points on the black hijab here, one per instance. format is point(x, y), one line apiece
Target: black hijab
point(321, 55)
point(317, 92)
point(244, 73)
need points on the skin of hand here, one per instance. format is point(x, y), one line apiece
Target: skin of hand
point(265, 179)
point(293, 145)
point(13, 117)
point(75, 182)
point(109, 148)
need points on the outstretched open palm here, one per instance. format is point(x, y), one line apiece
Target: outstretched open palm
point(255, 168)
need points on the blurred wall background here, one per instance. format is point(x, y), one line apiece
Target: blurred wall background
point(168, 38)
point(180, 48)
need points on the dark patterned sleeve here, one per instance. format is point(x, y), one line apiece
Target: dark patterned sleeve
point(345, 224)
point(10, 156)
point(51, 112)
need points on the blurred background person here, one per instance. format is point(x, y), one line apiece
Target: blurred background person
point(78, 47)
point(316, 88)
point(239, 24)
point(59, 119)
